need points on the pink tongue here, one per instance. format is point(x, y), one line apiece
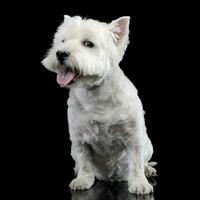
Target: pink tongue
point(64, 78)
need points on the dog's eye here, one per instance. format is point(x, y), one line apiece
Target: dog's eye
point(63, 40)
point(87, 43)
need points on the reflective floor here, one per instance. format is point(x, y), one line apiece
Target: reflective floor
point(109, 191)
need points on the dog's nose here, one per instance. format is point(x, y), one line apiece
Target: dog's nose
point(62, 55)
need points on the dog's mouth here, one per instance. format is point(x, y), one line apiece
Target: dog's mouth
point(67, 77)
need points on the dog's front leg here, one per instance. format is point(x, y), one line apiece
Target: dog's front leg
point(137, 180)
point(85, 172)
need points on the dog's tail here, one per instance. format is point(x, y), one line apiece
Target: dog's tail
point(150, 170)
point(152, 163)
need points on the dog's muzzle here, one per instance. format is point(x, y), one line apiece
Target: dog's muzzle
point(62, 56)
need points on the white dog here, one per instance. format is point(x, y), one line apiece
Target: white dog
point(105, 115)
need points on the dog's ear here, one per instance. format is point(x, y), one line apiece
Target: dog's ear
point(120, 32)
point(66, 18)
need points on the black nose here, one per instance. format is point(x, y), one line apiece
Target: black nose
point(62, 55)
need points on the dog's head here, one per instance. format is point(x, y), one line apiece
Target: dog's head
point(85, 49)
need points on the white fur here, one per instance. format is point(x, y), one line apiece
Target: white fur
point(105, 114)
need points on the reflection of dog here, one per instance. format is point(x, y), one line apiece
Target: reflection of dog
point(106, 190)
point(105, 114)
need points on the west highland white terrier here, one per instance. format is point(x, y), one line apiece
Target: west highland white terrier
point(105, 115)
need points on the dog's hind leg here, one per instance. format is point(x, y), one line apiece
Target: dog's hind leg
point(149, 166)
point(150, 170)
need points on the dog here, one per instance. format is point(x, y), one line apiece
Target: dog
point(105, 115)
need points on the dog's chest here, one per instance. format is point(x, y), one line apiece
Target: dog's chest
point(105, 124)
point(106, 133)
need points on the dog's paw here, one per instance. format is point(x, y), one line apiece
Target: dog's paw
point(82, 183)
point(150, 171)
point(140, 186)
